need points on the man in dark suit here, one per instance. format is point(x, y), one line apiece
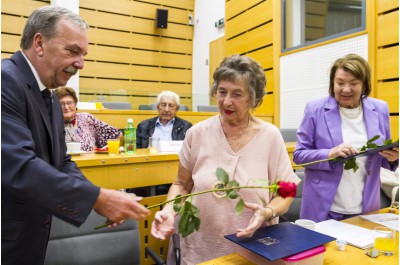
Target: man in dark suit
point(167, 126)
point(38, 179)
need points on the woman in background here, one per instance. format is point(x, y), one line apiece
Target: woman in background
point(337, 126)
point(83, 127)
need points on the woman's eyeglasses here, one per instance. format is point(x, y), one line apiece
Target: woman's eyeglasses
point(67, 103)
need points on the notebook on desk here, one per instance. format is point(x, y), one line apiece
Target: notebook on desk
point(281, 240)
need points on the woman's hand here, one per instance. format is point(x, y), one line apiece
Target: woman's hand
point(391, 154)
point(342, 150)
point(163, 224)
point(260, 216)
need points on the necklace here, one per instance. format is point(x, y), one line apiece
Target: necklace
point(240, 139)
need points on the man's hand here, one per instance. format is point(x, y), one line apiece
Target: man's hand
point(118, 206)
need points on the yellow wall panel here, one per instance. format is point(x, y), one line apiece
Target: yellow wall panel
point(389, 92)
point(388, 29)
point(140, 57)
point(10, 43)
point(139, 41)
point(185, 4)
point(270, 81)
point(20, 7)
point(267, 106)
point(133, 24)
point(99, 86)
point(388, 63)
point(121, 71)
point(251, 17)
point(251, 40)
point(385, 5)
point(12, 24)
point(234, 7)
point(394, 127)
point(263, 56)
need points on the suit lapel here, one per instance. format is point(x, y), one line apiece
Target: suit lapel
point(36, 96)
point(371, 120)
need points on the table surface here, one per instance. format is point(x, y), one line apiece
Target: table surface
point(332, 256)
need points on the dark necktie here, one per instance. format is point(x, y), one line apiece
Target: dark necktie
point(46, 94)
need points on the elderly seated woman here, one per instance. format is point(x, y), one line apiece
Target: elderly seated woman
point(83, 127)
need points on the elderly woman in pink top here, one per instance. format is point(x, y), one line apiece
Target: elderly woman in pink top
point(83, 127)
point(246, 147)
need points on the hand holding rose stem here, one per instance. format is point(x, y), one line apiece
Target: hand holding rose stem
point(223, 188)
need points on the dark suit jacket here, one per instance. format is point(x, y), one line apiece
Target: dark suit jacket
point(146, 128)
point(38, 179)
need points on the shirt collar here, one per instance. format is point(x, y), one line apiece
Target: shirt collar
point(169, 122)
point(35, 73)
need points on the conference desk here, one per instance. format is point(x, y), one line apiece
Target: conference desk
point(332, 256)
point(137, 170)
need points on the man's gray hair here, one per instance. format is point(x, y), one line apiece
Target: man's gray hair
point(45, 20)
point(168, 94)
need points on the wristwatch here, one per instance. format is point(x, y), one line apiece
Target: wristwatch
point(273, 211)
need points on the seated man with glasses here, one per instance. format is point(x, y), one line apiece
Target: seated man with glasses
point(83, 127)
point(167, 126)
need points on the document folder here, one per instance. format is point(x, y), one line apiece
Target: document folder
point(281, 240)
point(368, 152)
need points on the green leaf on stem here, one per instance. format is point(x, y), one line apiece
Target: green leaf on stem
point(239, 206)
point(222, 175)
point(351, 164)
point(232, 194)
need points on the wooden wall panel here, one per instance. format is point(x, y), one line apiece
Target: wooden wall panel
point(389, 92)
point(385, 5)
point(394, 127)
point(122, 71)
point(139, 41)
point(386, 34)
point(138, 57)
point(128, 56)
point(235, 7)
point(251, 40)
point(388, 63)
point(263, 56)
point(245, 21)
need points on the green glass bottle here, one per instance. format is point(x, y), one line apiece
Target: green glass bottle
point(130, 138)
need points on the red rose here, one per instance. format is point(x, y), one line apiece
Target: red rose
point(286, 189)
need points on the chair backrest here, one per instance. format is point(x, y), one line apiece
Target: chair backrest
point(207, 108)
point(289, 135)
point(294, 210)
point(117, 105)
point(148, 107)
point(85, 245)
point(183, 108)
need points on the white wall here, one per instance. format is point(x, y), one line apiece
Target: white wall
point(207, 12)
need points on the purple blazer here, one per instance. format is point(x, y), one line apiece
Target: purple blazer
point(320, 131)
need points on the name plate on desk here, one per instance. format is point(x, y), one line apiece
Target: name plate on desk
point(170, 146)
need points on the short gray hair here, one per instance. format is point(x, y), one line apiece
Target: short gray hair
point(240, 67)
point(168, 94)
point(45, 20)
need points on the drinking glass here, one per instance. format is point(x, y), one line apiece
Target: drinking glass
point(113, 146)
point(153, 144)
point(385, 240)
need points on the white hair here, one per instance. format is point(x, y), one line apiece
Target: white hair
point(168, 94)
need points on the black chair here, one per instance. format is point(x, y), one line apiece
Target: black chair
point(177, 251)
point(117, 105)
point(85, 245)
point(207, 108)
point(147, 107)
point(289, 135)
point(183, 108)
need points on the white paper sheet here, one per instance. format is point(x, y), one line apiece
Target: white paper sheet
point(390, 220)
point(354, 235)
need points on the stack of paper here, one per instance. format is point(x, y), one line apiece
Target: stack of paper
point(354, 235)
point(390, 220)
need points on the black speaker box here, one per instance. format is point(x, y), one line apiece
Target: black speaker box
point(161, 18)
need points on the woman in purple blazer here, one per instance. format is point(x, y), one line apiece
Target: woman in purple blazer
point(339, 125)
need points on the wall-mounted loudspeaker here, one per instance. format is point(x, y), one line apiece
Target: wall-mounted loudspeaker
point(161, 18)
